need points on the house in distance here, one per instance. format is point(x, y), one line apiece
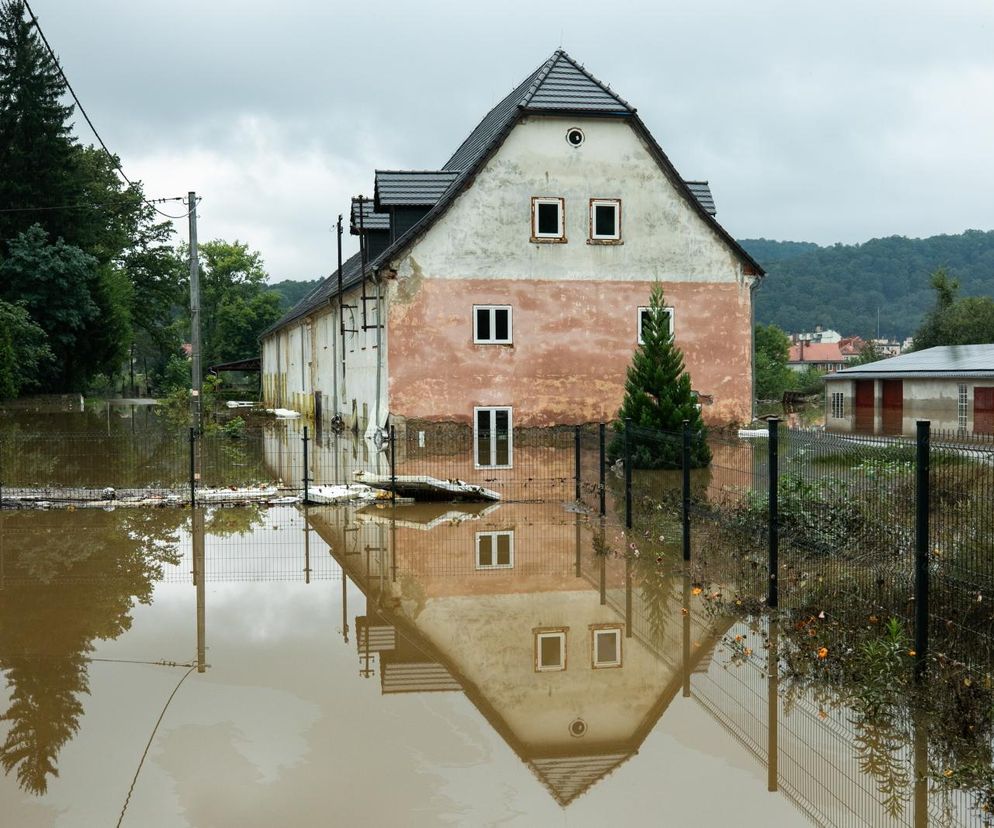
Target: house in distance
point(952, 386)
point(507, 289)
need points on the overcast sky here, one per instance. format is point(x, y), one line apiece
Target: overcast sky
point(822, 122)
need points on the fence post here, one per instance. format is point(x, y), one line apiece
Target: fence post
point(686, 490)
point(922, 497)
point(628, 473)
point(576, 461)
point(601, 478)
point(773, 592)
point(193, 468)
point(393, 464)
point(306, 481)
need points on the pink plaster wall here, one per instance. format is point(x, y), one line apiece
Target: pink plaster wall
point(573, 341)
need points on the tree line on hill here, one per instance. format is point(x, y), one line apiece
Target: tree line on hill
point(952, 320)
point(91, 277)
point(844, 286)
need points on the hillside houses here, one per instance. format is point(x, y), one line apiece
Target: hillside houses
point(506, 289)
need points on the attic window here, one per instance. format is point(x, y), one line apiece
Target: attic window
point(606, 646)
point(550, 649)
point(605, 220)
point(574, 136)
point(548, 223)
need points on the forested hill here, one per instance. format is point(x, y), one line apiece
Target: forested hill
point(291, 291)
point(842, 286)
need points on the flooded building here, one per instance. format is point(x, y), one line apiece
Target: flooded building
point(951, 385)
point(507, 288)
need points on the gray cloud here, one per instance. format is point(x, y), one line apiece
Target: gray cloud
point(821, 122)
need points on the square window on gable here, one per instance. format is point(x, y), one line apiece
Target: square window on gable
point(548, 220)
point(605, 220)
point(606, 646)
point(492, 324)
point(550, 649)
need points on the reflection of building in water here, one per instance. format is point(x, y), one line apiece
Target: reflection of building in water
point(573, 657)
point(512, 606)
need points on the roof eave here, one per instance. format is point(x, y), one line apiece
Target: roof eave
point(663, 160)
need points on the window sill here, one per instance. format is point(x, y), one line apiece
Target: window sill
point(606, 241)
point(488, 342)
point(548, 240)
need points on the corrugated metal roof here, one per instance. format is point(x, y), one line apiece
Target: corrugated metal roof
point(411, 188)
point(702, 192)
point(371, 220)
point(941, 361)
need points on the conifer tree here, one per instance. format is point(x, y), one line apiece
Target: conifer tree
point(658, 398)
point(37, 164)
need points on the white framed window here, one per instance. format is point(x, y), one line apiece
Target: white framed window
point(838, 405)
point(495, 550)
point(550, 649)
point(643, 315)
point(605, 219)
point(962, 407)
point(605, 646)
point(493, 439)
point(492, 324)
point(548, 219)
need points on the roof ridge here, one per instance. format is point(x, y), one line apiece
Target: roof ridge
point(543, 73)
point(605, 86)
point(426, 170)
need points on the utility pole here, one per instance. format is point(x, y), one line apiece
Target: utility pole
point(196, 413)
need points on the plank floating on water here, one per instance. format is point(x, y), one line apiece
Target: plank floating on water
point(424, 487)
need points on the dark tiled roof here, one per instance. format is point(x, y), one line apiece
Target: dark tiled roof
point(943, 360)
point(322, 294)
point(411, 188)
point(702, 192)
point(558, 84)
point(371, 220)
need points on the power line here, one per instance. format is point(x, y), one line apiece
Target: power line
point(83, 112)
point(83, 206)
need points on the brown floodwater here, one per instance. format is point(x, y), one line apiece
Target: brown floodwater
point(417, 665)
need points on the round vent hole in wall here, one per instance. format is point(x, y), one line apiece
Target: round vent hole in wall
point(574, 136)
point(577, 728)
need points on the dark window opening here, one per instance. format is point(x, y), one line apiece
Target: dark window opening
point(548, 219)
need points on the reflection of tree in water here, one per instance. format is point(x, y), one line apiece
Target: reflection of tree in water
point(71, 578)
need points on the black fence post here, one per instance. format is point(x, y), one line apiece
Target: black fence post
point(576, 461)
point(773, 591)
point(306, 481)
point(686, 490)
point(393, 464)
point(193, 468)
point(601, 474)
point(628, 473)
point(922, 497)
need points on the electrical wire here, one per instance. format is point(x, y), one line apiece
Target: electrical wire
point(80, 206)
point(113, 158)
point(141, 761)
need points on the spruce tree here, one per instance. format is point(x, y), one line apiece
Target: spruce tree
point(37, 163)
point(658, 398)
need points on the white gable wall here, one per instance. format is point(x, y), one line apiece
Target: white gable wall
point(485, 233)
